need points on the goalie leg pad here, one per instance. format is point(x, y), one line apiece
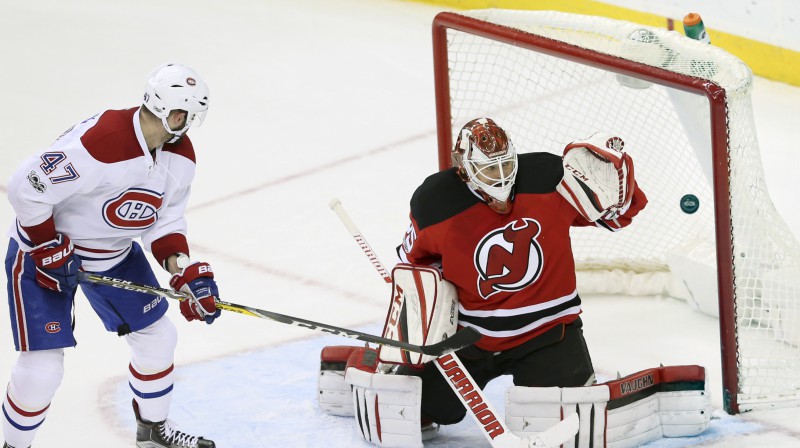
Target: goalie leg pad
point(333, 392)
point(627, 412)
point(424, 310)
point(386, 407)
point(530, 411)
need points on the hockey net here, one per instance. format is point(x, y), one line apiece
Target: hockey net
point(683, 109)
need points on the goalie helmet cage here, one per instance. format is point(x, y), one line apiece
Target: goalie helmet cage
point(683, 109)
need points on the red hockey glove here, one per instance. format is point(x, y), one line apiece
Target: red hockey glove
point(57, 265)
point(197, 280)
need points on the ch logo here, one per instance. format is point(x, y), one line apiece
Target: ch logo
point(52, 327)
point(509, 259)
point(136, 208)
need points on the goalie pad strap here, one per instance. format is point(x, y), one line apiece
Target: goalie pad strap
point(386, 407)
point(423, 311)
point(627, 412)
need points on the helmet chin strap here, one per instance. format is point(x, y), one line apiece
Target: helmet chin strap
point(176, 135)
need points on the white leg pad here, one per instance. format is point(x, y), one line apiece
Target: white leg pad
point(634, 424)
point(334, 394)
point(532, 410)
point(628, 412)
point(387, 408)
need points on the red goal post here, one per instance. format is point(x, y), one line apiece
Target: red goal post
point(683, 109)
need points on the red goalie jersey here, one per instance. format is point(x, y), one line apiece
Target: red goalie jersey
point(515, 272)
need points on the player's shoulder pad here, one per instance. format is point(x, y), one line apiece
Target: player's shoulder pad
point(538, 173)
point(182, 147)
point(441, 196)
point(113, 139)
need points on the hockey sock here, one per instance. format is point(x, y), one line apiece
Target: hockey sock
point(150, 372)
point(34, 380)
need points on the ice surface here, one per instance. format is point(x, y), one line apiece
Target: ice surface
point(309, 100)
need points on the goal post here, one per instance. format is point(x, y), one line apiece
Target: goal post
point(683, 109)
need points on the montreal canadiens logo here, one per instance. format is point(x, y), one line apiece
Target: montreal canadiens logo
point(136, 208)
point(52, 327)
point(510, 258)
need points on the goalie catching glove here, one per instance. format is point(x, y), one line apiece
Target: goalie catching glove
point(598, 177)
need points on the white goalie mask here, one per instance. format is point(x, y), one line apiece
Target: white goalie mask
point(176, 87)
point(486, 160)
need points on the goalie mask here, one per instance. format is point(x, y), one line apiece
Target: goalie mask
point(485, 159)
point(176, 87)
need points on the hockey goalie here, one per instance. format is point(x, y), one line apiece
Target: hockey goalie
point(488, 247)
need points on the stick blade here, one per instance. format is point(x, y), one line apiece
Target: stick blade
point(463, 338)
point(558, 434)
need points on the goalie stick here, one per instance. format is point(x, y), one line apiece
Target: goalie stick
point(466, 389)
point(458, 341)
point(336, 205)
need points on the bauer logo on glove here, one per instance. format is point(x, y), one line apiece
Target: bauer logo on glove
point(197, 280)
point(598, 176)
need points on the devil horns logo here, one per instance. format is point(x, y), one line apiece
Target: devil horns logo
point(510, 258)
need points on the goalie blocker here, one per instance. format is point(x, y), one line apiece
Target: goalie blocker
point(628, 412)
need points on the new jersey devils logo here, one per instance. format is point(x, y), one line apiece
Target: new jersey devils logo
point(136, 208)
point(510, 258)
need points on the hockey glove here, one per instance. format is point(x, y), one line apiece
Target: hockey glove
point(598, 177)
point(197, 280)
point(57, 265)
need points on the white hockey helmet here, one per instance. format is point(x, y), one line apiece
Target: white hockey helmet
point(176, 87)
point(486, 160)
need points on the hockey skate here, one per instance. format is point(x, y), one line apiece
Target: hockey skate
point(164, 435)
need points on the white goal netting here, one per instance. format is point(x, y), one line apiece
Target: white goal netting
point(546, 99)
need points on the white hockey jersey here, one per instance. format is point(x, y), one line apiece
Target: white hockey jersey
point(99, 185)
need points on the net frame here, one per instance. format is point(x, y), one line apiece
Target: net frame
point(717, 97)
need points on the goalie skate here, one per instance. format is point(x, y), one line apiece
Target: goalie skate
point(165, 435)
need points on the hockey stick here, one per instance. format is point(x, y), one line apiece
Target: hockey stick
point(336, 205)
point(458, 341)
point(494, 428)
point(466, 389)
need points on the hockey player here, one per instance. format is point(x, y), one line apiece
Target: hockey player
point(497, 227)
point(79, 204)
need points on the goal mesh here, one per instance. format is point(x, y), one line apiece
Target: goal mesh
point(549, 92)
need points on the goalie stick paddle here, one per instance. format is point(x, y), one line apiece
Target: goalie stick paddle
point(461, 339)
point(465, 388)
point(488, 420)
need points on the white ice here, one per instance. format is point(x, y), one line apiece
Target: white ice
point(310, 99)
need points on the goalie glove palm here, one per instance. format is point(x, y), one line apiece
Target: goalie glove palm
point(598, 177)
